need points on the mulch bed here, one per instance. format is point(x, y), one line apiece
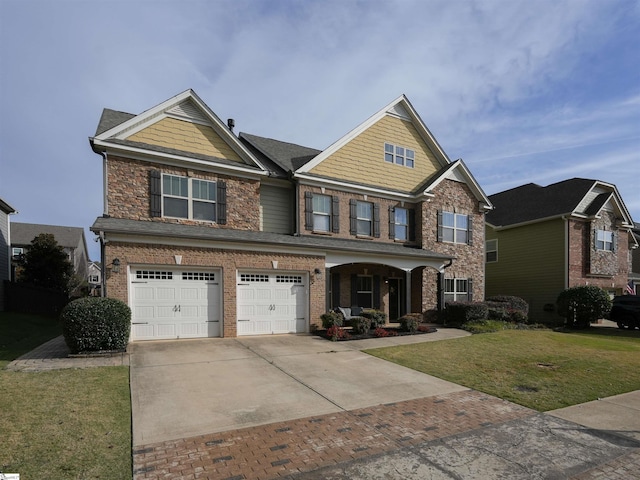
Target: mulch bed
point(392, 332)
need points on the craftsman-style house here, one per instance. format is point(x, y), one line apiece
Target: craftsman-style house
point(542, 240)
point(209, 233)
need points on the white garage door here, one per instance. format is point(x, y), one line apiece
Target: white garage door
point(272, 303)
point(175, 303)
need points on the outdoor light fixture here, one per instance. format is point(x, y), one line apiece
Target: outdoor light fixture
point(318, 273)
point(116, 265)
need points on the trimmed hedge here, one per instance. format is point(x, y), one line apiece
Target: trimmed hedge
point(583, 305)
point(94, 324)
point(377, 317)
point(410, 322)
point(458, 313)
point(360, 325)
point(330, 319)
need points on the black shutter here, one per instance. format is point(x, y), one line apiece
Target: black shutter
point(412, 224)
point(440, 288)
point(614, 245)
point(335, 290)
point(221, 201)
point(353, 217)
point(376, 292)
point(155, 193)
point(439, 225)
point(335, 214)
point(376, 220)
point(308, 211)
point(392, 223)
point(469, 230)
point(470, 289)
point(354, 289)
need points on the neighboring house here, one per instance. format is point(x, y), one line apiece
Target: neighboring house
point(5, 242)
point(634, 260)
point(94, 278)
point(542, 240)
point(206, 233)
point(71, 239)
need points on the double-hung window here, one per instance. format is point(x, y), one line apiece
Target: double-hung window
point(321, 213)
point(401, 223)
point(491, 250)
point(399, 155)
point(364, 218)
point(454, 227)
point(605, 240)
point(457, 290)
point(364, 291)
point(191, 198)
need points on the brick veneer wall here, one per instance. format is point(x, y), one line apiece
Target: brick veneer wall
point(588, 266)
point(129, 198)
point(228, 260)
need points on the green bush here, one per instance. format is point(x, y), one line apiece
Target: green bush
point(410, 322)
point(377, 317)
point(330, 319)
point(93, 323)
point(459, 313)
point(360, 325)
point(581, 306)
point(508, 302)
point(497, 313)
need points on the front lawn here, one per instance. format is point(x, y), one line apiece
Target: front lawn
point(71, 423)
point(543, 370)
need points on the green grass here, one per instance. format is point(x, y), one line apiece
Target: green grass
point(543, 370)
point(71, 423)
point(20, 333)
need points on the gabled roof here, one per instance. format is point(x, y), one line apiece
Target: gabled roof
point(114, 128)
point(6, 208)
point(287, 156)
point(400, 107)
point(68, 237)
point(578, 197)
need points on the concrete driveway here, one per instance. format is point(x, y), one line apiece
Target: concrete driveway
point(192, 387)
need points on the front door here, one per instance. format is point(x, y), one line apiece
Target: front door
point(396, 299)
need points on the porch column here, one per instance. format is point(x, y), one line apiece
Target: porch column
point(407, 295)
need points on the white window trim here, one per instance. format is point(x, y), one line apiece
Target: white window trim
point(359, 218)
point(458, 295)
point(405, 226)
point(320, 213)
point(189, 198)
point(490, 250)
point(455, 228)
point(397, 159)
point(604, 241)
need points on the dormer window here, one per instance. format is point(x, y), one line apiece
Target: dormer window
point(399, 155)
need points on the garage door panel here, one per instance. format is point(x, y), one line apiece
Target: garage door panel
point(165, 293)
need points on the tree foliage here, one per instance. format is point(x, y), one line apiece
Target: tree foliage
point(583, 305)
point(45, 264)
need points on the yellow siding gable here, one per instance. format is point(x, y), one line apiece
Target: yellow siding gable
point(362, 159)
point(185, 136)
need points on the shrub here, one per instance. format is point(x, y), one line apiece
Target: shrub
point(581, 306)
point(459, 313)
point(497, 313)
point(330, 319)
point(382, 332)
point(508, 302)
point(410, 322)
point(94, 323)
point(377, 317)
point(517, 316)
point(485, 326)
point(336, 333)
point(360, 324)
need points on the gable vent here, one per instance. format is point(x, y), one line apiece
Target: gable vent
point(188, 110)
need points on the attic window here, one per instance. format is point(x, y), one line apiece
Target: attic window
point(399, 155)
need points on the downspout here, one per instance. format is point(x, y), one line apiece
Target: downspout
point(105, 214)
point(440, 286)
point(567, 252)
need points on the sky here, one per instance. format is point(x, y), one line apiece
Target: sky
point(522, 90)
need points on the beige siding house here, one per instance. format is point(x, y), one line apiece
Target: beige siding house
point(542, 240)
point(208, 233)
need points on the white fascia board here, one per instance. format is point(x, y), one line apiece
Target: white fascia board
point(470, 181)
point(143, 120)
point(137, 153)
point(359, 189)
point(211, 244)
point(334, 259)
point(416, 120)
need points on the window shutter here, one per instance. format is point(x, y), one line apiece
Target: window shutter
point(392, 223)
point(354, 289)
point(376, 220)
point(469, 230)
point(376, 292)
point(335, 214)
point(439, 225)
point(155, 193)
point(595, 239)
point(308, 211)
point(614, 245)
point(335, 290)
point(353, 217)
point(470, 289)
point(412, 224)
point(221, 202)
point(440, 288)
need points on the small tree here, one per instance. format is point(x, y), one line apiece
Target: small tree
point(45, 264)
point(583, 305)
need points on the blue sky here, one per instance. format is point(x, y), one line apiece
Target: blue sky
point(523, 91)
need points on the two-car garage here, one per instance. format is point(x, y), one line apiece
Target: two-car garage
point(169, 303)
